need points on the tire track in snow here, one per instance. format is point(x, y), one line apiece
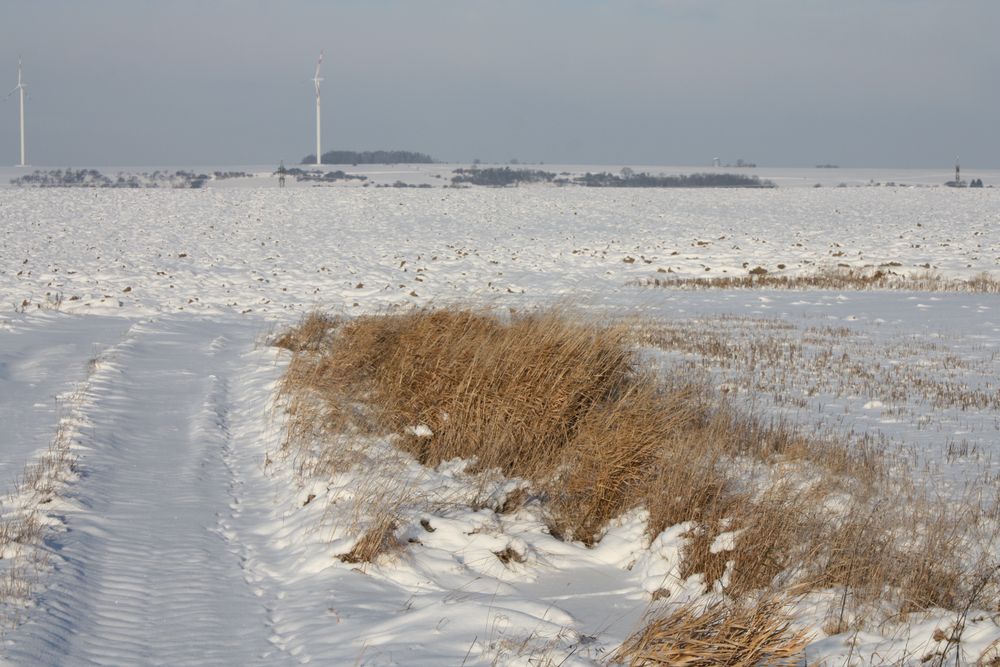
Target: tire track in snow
point(145, 574)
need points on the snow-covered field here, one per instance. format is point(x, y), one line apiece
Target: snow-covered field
point(134, 325)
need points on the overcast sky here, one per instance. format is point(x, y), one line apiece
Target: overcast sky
point(905, 83)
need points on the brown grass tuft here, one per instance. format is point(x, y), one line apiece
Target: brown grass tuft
point(721, 634)
point(379, 539)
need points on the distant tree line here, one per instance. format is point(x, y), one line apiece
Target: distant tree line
point(505, 176)
point(370, 157)
point(91, 178)
point(68, 178)
point(401, 184)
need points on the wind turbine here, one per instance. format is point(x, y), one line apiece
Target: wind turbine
point(316, 80)
point(19, 88)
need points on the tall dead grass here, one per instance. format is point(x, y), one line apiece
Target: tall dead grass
point(840, 278)
point(22, 526)
point(538, 396)
point(561, 402)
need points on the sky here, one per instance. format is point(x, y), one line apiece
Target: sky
point(859, 83)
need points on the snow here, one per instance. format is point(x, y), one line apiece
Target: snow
point(137, 323)
point(420, 430)
point(43, 359)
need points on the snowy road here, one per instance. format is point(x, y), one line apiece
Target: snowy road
point(148, 571)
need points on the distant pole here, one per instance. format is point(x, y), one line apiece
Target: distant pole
point(316, 81)
point(958, 171)
point(20, 88)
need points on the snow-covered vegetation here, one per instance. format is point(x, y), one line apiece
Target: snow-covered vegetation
point(92, 178)
point(542, 425)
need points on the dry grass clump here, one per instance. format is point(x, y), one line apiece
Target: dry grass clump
point(786, 535)
point(788, 539)
point(539, 396)
point(309, 335)
point(615, 458)
point(840, 278)
point(22, 526)
point(376, 514)
point(379, 539)
point(18, 528)
point(560, 403)
point(721, 634)
point(511, 395)
point(983, 282)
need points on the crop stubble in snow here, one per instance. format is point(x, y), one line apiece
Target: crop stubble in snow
point(266, 251)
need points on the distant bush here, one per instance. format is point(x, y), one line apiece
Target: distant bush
point(318, 176)
point(501, 176)
point(644, 180)
point(401, 184)
point(370, 157)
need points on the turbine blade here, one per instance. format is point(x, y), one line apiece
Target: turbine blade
point(16, 88)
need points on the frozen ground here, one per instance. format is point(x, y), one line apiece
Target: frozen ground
point(136, 322)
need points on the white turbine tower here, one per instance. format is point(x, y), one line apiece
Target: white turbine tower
point(20, 88)
point(316, 80)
